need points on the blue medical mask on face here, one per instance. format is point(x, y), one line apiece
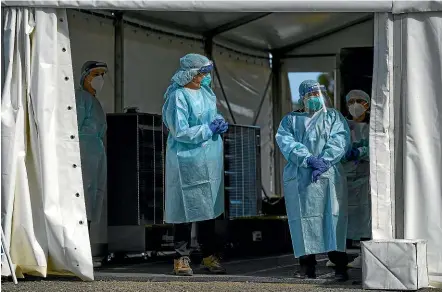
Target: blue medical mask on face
point(314, 104)
point(206, 80)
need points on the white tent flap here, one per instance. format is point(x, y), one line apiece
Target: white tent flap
point(48, 232)
point(381, 129)
point(422, 129)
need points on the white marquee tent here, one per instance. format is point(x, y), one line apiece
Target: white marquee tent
point(46, 42)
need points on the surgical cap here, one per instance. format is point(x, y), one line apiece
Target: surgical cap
point(88, 66)
point(189, 67)
point(357, 94)
point(305, 86)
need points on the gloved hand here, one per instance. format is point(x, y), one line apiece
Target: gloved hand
point(216, 126)
point(318, 163)
point(224, 127)
point(353, 154)
point(316, 174)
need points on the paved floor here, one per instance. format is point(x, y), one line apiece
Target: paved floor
point(258, 274)
point(270, 269)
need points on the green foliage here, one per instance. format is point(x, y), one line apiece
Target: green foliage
point(326, 79)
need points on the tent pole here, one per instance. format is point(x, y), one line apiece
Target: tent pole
point(277, 115)
point(269, 82)
point(119, 63)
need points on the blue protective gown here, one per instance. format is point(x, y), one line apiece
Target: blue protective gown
point(194, 156)
point(358, 180)
point(317, 212)
point(92, 126)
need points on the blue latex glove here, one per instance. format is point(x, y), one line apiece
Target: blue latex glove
point(316, 174)
point(216, 126)
point(353, 154)
point(224, 127)
point(318, 163)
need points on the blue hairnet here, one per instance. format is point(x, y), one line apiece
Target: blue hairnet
point(190, 65)
point(305, 86)
point(357, 94)
point(88, 66)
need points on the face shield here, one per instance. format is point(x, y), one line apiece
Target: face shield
point(205, 71)
point(327, 101)
point(314, 100)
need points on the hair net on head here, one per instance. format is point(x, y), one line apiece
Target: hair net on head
point(304, 87)
point(88, 66)
point(357, 94)
point(190, 65)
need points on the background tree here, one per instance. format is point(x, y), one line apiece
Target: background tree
point(327, 80)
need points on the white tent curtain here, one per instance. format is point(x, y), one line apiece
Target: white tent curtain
point(43, 210)
point(382, 129)
point(405, 139)
point(421, 87)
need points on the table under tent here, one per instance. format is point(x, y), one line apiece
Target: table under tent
point(254, 46)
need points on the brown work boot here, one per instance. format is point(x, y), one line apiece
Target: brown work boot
point(181, 267)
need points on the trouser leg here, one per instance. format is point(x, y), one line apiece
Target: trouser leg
point(308, 261)
point(339, 258)
point(182, 234)
point(207, 238)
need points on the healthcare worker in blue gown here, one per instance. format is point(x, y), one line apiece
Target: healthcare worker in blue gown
point(315, 187)
point(91, 120)
point(194, 162)
point(357, 167)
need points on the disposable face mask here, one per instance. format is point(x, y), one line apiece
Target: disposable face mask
point(356, 110)
point(314, 104)
point(206, 80)
point(97, 83)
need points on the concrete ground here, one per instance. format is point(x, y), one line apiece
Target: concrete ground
point(266, 274)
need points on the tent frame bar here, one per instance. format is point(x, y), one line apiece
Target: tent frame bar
point(119, 62)
point(308, 56)
point(258, 112)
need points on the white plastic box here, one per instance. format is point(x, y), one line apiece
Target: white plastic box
point(396, 264)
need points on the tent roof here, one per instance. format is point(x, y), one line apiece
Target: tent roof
point(281, 31)
point(395, 6)
point(269, 26)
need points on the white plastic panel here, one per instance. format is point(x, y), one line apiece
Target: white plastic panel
point(92, 38)
point(150, 60)
point(244, 79)
point(360, 35)
point(280, 29)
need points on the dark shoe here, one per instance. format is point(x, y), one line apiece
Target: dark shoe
point(341, 275)
point(305, 273)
